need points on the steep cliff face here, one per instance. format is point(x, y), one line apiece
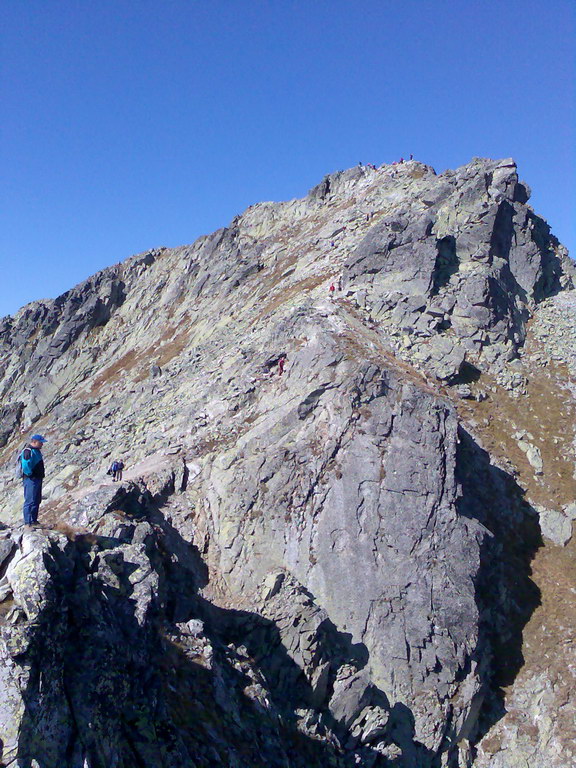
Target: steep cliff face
point(322, 548)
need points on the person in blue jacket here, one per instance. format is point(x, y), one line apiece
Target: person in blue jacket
point(32, 465)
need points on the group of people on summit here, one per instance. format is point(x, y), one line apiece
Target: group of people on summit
point(31, 469)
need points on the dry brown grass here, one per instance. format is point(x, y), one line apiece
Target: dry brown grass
point(169, 351)
point(135, 362)
point(284, 295)
point(375, 350)
point(547, 412)
point(112, 373)
point(549, 638)
point(67, 530)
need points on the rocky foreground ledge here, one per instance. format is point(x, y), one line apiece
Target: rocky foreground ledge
point(115, 653)
point(336, 503)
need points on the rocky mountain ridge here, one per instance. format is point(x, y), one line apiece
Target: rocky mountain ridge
point(337, 551)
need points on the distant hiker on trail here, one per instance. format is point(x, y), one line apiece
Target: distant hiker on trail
point(32, 466)
point(116, 470)
point(281, 364)
point(340, 283)
point(332, 289)
point(411, 156)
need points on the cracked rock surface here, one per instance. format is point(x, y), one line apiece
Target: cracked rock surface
point(334, 501)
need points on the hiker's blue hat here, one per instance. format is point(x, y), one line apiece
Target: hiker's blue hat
point(39, 438)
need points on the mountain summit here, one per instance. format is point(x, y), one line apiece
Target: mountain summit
point(344, 532)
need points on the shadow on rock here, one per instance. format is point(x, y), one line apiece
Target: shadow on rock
point(506, 595)
point(127, 666)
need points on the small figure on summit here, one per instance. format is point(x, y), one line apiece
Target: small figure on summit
point(32, 466)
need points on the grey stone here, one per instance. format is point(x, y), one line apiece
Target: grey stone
point(532, 454)
point(555, 525)
point(195, 627)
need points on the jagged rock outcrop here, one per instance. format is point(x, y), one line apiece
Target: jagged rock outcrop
point(460, 266)
point(314, 557)
point(95, 673)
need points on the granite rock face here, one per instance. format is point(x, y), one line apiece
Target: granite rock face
point(465, 264)
point(102, 676)
point(311, 559)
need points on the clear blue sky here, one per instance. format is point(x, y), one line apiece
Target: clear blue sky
point(130, 124)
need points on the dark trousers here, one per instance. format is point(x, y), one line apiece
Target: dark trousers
point(32, 498)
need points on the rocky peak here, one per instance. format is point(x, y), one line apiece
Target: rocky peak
point(326, 525)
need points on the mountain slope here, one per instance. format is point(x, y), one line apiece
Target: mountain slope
point(339, 544)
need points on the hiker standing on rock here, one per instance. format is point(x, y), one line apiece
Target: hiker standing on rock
point(32, 465)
